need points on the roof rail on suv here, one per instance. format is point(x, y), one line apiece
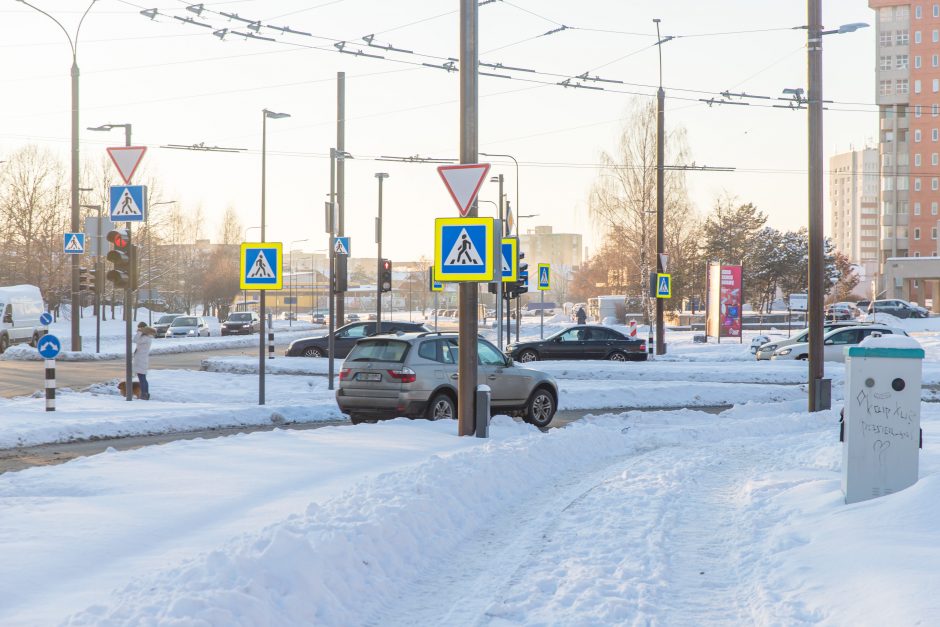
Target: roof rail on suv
point(427, 333)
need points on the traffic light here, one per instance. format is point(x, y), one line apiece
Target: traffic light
point(121, 258)
point(522, 284)
point(340, 279)
point(386, 279)
point(86, 281)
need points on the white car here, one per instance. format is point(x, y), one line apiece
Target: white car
point(835, 342)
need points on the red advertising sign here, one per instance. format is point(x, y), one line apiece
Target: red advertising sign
point(730, 301)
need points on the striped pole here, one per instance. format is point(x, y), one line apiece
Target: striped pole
point(270, 337)
point(50, 385)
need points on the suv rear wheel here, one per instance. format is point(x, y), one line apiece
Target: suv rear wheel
point(441, 407)
point(540, 409)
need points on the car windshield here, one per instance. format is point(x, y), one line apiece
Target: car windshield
point(379, 350)
point(184, 321)
point(166, 319)
point(240, 317)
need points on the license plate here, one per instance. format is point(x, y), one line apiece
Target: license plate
point(368, 376)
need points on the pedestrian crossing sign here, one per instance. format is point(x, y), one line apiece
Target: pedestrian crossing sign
point(545, 273)
point(74, 243)
point(663, 286)
point(261, 267)
point(510, 259)
point(464, 249)
point(128, 203)
point(341, 246)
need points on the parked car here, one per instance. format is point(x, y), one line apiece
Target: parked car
point(352, 318)
point(20, 309)
point(163, 323)
point(319, 318)
point(415, 375)
point(189, 326)
point(242, 323)
point(766, 351)
point(841, 311)
point(345, 337)
point(835, 342)
point(581, 342)
point(862, 305)
point(898, 308)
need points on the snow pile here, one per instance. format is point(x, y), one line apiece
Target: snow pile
point(889, 341)
point(278, 365)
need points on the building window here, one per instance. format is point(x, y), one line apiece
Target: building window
point(934, 110)
point(902, 204)
point(902, 186)
point(933, 233)
point(916, 254)
point(934, 159)
point(916, 185)
point(935, 134)
point(935, 35)
point(918, 13)
point(934, 183)
point(902, 231)
point(884, 63)
point(902, 85)
point(917, 91)
point(901, 61)
point(902, 38)
point(902, 12)
point(884, 88)
point(917, 233)
point(916, 135)
point(916, 210)
point(936, 10)
point(935, 60)
point(917, 62)
point(933, 208)
point(916, 36)
point(884, 38)
point(902, 134)
point(936, 85)
point(917, 160)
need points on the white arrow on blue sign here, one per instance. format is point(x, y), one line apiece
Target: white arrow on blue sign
point(49, 346)
point(128, 203)
point(45, 319)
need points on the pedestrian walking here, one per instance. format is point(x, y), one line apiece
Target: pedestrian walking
point(582, 317)
point(143, 339)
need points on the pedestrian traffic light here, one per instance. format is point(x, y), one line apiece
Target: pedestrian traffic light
point(85, 280)
point(340, 279)
point(386, 279)
point(120, 258)
point(522, 283)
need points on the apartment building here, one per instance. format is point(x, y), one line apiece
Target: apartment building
point(853, 199)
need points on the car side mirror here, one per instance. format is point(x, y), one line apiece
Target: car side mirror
point(828, 342)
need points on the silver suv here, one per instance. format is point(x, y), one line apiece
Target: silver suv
point(415, 375)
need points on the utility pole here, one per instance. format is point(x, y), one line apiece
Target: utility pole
point(341, 178)
point(378, 264)
point(468, 294)
point(499, 274)
point(660, 192)
point(816, 261)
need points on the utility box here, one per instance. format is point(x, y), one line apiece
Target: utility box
point(881, 439)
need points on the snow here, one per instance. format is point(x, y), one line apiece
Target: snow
point(889, 341)
point(670, 517)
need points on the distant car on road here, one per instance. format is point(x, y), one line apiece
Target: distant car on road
point(842, 311)
point(352, 318)
point(581, 342)
point(415, 375)
point(898, 308)
point(344, 338)
point(319, 318)
point(835, 342)
point(163, 323)
point(190, 326)
point(242, 323)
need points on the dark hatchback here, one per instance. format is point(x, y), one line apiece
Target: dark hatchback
point(581, 342)
point(242, 323)
point(346, 337)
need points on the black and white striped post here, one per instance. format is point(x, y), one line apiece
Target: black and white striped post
point(49, 347)
point(270, 337)
point(50, 384)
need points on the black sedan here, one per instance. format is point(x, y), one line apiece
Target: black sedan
point(344, 338)
point(581, 342)
point(242, 323)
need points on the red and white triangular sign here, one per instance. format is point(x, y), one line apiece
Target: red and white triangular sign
point(126, 159)
point(463, 182)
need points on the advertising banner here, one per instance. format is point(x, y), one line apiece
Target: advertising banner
point(725, 300)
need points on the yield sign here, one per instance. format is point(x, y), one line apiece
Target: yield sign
point(126, 159)
point(463, 182)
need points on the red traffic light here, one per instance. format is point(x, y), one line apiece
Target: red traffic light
point(118, 238)
point(386, 265)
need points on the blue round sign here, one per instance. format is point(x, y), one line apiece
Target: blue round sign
point(45, 319)
point(49, 346)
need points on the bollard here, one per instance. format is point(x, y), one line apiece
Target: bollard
point(50, 385)
point(270, 337)
point(482, 411)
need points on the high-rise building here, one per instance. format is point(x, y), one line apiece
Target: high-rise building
point(562, 250)
point(853, 198)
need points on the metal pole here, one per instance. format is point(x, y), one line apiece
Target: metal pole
point(341, 176)
point(128, 327)
point(261, 292)
point(332, 229)
point(378, 240)
point(99, 284)
point(660, 193)
point(499, 277)
point(290, 305)
point(468, 294)
point(542, 311)
point(76, 297)
point(816, 262)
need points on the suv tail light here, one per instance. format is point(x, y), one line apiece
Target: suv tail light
point(344, 374)
point(405, 375)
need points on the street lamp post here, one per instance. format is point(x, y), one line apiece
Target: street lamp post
point(291, 309)
point(75, 218)
point(378, 273)
point(332, 220)
point(265, 114)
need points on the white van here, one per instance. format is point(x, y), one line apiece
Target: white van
point(20, 309)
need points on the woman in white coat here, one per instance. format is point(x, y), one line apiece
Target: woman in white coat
point(143, 339)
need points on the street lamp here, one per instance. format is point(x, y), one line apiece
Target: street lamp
point(265, 114)
point(73, 44)
point(290, 291)
point(817, 398)
point(108, 127)
point(381, 176)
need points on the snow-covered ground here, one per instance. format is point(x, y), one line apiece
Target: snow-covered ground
point(676, 517)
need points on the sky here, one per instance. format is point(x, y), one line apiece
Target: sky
point(176, 83)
